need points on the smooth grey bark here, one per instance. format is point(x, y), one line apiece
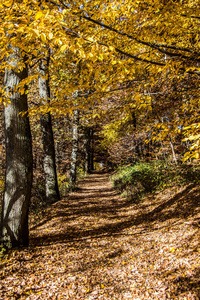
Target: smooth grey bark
point(173, 152)
point(51, 181)
point(74, 154)
point(19, 163)
point(86, 146)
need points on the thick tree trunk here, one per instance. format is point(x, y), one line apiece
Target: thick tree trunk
point(19, 165)
point(51, 182)
point(74, 148)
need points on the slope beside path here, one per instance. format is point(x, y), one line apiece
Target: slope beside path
point(95, 244)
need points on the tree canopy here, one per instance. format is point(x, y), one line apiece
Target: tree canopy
point(143, 55)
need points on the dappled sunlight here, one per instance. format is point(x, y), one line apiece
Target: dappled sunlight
point(95, 244)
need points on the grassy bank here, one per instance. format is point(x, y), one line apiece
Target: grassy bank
point(134, 181)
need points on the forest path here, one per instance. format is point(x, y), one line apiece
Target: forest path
point(95, 244)
point(84, 214)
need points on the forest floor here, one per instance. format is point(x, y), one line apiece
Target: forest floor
point(95, 244)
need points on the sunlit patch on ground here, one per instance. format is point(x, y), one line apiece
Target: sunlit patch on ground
point(97, 245)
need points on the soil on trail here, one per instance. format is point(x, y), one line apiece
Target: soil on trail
point(95, 244)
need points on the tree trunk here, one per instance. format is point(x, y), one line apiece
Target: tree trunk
point(51, 182)
point(173, 153)
point(19, 163)
point(74, 148)
point(88, 150)
point(87, 159)
point(91, 149)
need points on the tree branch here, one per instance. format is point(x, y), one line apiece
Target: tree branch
point(151, 45)
point(74, 34)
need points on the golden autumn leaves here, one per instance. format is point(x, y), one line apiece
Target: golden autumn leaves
point(99, 45)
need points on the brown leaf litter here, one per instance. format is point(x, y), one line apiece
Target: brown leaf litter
point(97, 245)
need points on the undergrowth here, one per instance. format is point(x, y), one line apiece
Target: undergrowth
point(133, 181)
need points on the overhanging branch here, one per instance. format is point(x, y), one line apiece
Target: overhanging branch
point(159, 47)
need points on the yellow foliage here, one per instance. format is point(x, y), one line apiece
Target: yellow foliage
point(102, 46)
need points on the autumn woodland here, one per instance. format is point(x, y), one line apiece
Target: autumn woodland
point(100, 149)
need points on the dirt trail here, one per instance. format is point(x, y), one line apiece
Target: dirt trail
point(95, 244)
point(83, 215)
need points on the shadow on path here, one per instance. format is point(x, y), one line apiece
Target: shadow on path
point(96, 210)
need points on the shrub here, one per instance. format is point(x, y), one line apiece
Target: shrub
point(146, 177)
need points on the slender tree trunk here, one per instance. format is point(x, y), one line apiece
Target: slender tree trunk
point(74, 148)
point(173, 152)
point(19, 163)
point(87, 159)
point(51, 182)
point(138, 150)
point(91, 149)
